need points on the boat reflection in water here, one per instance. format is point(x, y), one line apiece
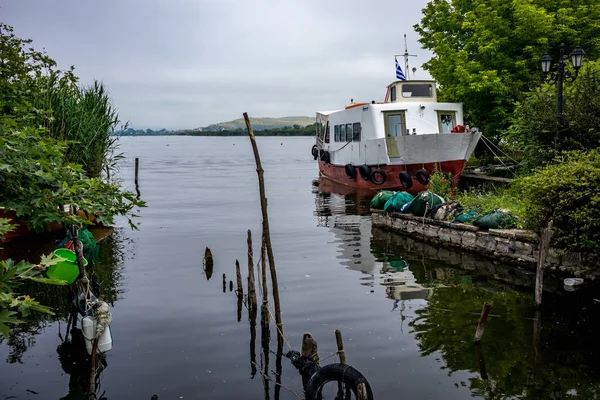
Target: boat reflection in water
point(552, 353)
point(346, 211)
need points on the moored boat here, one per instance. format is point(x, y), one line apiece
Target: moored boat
point(395, 144)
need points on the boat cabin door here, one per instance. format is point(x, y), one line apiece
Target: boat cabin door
point(395, 127)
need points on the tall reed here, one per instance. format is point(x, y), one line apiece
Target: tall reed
point(85, 118)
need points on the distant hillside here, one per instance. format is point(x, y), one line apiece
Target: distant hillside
point(260, 123)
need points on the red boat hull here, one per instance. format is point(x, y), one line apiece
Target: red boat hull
point(337, 173)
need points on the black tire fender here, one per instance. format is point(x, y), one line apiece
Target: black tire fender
point(365, 172)
point(406, 180)
point(315, 151)
point(350, 171)
point(422, 177)
point(375, 179)
point(352, 379)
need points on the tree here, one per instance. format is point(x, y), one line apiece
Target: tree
point(486, 52)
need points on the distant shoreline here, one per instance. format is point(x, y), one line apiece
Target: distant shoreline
point(218, 134)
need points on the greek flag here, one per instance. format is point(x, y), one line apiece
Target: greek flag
point(399, 74)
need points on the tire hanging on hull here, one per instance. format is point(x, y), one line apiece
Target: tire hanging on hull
point(406, 180)
point(422, 177)
point(350, 171)
point(378, 180)
point(365, 172)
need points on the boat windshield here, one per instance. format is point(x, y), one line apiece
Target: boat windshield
point(417, 90)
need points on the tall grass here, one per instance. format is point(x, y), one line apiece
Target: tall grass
point(85, 118)
point(488, 198)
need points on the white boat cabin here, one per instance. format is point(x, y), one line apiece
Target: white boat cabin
point(410, 108)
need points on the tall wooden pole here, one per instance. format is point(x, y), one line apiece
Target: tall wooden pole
point(266, 232)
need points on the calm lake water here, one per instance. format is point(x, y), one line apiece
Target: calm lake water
point(407, 310)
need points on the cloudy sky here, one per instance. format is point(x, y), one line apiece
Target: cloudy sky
point(189, 63)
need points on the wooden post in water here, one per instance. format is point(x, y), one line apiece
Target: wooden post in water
point(154, 397)
point(238, 275)
point(340, 346)
point(224, 283)
point(208, 263)
point(263, 267)
point(251, 285)
point(545, 236)
point(266, 232)
point(137, 168)
point(481, 325)
point(231, 286)
point(310, 348)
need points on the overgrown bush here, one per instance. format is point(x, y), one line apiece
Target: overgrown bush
point(568, 193)
point(35, 181)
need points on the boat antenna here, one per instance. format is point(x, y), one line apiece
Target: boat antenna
point(406, 55)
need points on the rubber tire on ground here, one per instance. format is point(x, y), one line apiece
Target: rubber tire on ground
point(422, 177)
point(365, 172)
point(406, 180)
point(379, 172)
point(350, 171)
point(315, 151)
point(353, 380)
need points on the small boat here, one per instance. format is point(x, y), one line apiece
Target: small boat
point(395, 144)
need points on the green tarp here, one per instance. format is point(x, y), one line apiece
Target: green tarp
point(424, 202)
point(395, 203)
point(380, 199)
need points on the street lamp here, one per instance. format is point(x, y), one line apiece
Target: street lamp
point(560, 75)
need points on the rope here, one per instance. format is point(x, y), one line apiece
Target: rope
point(501, 151)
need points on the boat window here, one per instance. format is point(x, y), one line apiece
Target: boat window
point(342, 133)
point(446, 121)
point(417, 90)
point(327, 133)
point(336, 133)
point(348, 132)
point(394, 124)
point(393, 93)
point(356, 130)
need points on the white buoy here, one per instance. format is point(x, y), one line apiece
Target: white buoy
point(105, 341)
point(88, 329)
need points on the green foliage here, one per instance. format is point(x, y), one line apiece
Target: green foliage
point(568, 193)
point(36, 182)
point(5, 226)
point(489, 198)
point(12, 276)
point(486, 52)
point(534, 123)
point(441, 184)
point(34, 93)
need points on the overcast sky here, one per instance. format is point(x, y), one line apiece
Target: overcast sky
point(189, 63)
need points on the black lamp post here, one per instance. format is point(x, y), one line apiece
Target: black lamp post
point(558, 76)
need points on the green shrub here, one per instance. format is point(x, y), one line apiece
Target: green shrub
point(567, 192)
point(489, 198)
point(441, 184)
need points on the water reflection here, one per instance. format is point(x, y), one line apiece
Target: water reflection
point(106, 282)
point(552, 353)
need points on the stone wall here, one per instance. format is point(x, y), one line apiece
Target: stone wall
point(508, 245)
